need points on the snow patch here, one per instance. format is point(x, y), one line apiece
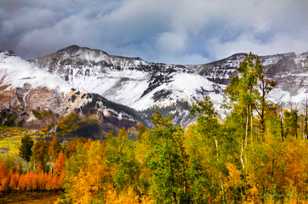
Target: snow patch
point(19, 72)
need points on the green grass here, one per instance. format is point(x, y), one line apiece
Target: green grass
point(10, 138)
point(13, 132)
point(12, 144)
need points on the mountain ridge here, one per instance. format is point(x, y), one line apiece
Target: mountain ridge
point(142, 85)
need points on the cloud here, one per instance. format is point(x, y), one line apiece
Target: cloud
point(248, 43)
point(171, 43)
point(174, 31)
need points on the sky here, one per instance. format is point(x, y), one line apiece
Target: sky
point(171, 31)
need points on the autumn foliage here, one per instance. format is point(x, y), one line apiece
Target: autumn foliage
point(13, 180)
point(257, 154)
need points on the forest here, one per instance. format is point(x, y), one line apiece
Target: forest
point(256, 153)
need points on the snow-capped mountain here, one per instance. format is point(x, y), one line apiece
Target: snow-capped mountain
point(141, 85)
point(147, 86)
point(35, 89)
point(289, 70)
point(130, 81)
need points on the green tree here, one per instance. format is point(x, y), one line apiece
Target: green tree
point(243, 93)
point(210, 143)
point(167, 160)
point(291, 122)
point(68, 124)
point(262, 105)
point(25, 150)
point(120, 156)
point(40, 156)
point(207, 123)
point(54, 147)
point(248, 92)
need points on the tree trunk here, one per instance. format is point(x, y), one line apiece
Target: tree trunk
point(262, 116)
point(251, 124)
point(247, 126)
point(281, 124)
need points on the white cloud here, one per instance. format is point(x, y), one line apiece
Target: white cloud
point(171, 43)
point(248, 43)
point(182, 30)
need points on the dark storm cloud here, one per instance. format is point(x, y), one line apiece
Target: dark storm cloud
point(181, 31)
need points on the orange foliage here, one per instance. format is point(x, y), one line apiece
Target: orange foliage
point(3, 176)
point(14, 178)
point(59, 164)
point(32, 181)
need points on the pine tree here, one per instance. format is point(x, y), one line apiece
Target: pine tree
point(291, 122)
point(25, 150)
point(40, 156)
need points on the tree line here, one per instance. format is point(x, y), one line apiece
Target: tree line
point(256, 154)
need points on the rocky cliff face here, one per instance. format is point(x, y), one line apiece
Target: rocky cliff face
point(27, 106)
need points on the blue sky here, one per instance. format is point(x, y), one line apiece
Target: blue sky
point(172, 31)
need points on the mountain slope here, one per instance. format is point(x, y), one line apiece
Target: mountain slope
point(289, 70)
point(130, 81)
point(33, 89)
point(19, 71)
point(147, 86)
point(141, 85)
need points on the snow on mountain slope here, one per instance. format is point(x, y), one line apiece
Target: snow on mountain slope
point(289, 70)
point(127, 86)
point(143, 85)
point(182, 87)
point(19, 71)
point(37, 89)
point(124, 87)
point(284, 97)
point(127, 80)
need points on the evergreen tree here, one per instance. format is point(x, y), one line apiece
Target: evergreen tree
point(291, 122)
point(25, 150)
point(40, 153)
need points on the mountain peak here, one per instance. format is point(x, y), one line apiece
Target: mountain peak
point(69, 48)
point(76, 48)
point(75, 56)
